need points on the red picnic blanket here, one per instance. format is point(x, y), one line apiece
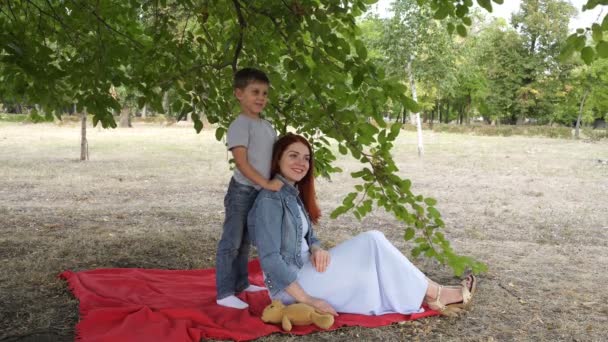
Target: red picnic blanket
point(131, 304)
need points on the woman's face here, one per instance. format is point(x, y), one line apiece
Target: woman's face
point(294, 162)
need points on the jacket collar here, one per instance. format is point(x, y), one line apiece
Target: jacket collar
point(290, 189)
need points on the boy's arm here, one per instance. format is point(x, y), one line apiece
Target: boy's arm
point(240, 158)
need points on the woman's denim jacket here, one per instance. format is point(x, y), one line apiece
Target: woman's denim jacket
point(275, 228)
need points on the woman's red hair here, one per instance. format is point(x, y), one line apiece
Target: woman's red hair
point(306, 185)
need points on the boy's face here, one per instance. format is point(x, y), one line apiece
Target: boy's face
point(253, 98)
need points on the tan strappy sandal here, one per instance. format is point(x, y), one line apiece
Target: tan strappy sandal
point(467, 293)
point(449, 310)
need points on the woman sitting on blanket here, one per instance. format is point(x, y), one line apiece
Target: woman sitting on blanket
point(364, 275)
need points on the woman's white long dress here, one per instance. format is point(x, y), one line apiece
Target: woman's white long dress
point(366, 275)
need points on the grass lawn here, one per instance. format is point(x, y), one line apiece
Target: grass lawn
point(534, 209)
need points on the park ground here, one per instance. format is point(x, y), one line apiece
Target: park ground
point(535, 210)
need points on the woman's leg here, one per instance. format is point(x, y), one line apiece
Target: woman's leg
point(367, 275)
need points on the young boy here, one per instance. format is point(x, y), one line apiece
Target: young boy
point(250, 139)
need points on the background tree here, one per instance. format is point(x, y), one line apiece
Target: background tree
point(589, 98)
point(498, 52)
point(471, 77)
point(460, 13)
point(543, 27)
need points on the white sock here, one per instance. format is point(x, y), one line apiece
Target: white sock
point(254, 288)
point(232, 302)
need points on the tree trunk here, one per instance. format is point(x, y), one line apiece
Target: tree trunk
point(460, 114)
point(415, 98)
point(125, 117)
point(166, 106)
point(467, 109)
point(84, 144)
point(447, 111)
point(580, 114)
point(144, 111)
point(433, 113)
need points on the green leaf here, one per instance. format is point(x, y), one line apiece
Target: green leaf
point(440, 236)
point(357, 79)
point(338, 211)
point(219, 133)
point(342, 149)
point(405, 185)
point(591, 4)
point(360, 173)
point(602, 49)
point(441, 13)
point(587, 54)
point(348, 200)
point(411, 104)
point(579, 42)
point(361, 50)
point(419, 210)
point(467, 21)
point(457, 264)
point(597, 32)
point(429, 253)
point(451, 28)
point(461, 11)
point(566, 52)
point(430, 201)
point(605, 23)
point(461, 30)
point(198, 126)
point(433, 212)
point(394, 132)
point(487, 4)
point(409, 234)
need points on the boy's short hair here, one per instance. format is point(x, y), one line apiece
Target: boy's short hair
point(245, 76)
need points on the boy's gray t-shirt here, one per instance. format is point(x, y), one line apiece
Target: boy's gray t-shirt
point(258, 136)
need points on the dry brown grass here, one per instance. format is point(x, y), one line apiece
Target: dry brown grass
point(535, 210)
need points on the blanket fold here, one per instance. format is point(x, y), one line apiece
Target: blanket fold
point(127, 304)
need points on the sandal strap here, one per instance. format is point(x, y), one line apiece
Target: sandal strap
point(438, 305)
point(466, 294)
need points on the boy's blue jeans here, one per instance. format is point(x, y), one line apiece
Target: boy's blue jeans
point(233, 248)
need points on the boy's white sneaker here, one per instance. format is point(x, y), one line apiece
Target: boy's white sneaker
point(232, 302)
point(254, 288)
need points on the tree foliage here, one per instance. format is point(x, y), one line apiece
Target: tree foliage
point(505, 73)
point(460, 13)
point(56, 53)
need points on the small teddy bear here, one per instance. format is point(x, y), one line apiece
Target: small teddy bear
point(296, 314)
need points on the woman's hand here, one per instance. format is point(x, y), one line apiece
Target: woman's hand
point(321, 306)
point(320, 259)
